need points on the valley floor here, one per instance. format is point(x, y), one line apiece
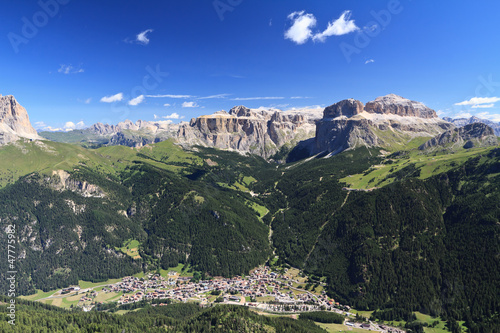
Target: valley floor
point(265, 291)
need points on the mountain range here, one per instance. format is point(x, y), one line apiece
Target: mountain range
point(390, 121)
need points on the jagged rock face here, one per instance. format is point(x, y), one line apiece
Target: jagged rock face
point(460, 122)
point(138, 134)
point(347, 107)
point(61, 180)
point(469, 136)
point(387, 120)
point(397, 105)
point(14, 121)
point(338, 135)
point(102, 129)
point(260, 132)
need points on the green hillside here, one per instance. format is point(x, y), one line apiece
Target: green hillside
point(424, 238)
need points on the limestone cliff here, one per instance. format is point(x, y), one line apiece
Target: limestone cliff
point(389, 121)
point(14, 121)
point(256, 131)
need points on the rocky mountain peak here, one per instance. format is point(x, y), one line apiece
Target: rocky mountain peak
point(397, 105)
point(102, 129)
point(469, 136)
point(241, 111)
point(14, 121)
point(347, 107)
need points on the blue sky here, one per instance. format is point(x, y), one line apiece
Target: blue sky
point(72, 63)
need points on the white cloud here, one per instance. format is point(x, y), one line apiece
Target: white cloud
point(170, 96)
point(299, 97)
point(136, 101)
point(69, 125)
point(215, 96)
point(479, 100)
point(255, 98)
point(189, 105)
point(68, 69)
point(463, 115)
point(483, 106)
point(142, 37)
point(173, 116)
point(301, 29)
point(486, 115)
point(341, 26)
point(166, 104)
point(114, 98)
point(369, 61)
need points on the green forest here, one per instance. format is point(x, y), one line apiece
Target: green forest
point(189, 317)
point(429, 245)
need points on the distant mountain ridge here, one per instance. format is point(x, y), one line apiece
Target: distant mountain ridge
point(460, 122)
point(258, 131)
point(390, 122)
point(470, 136)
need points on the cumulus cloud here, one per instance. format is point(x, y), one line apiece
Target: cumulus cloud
point(303, 23)
point(341, 26)
point(68, 69)
point(142, 37)
point(173, 116)
point(189, 105)
point(254, 98)
point(166, 104)
point(301, 29)
point(136, 101)
point(114, 98)
point(69, 125)
point(479, 100)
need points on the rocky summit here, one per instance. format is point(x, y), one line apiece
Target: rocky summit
point(461, 122)
point(470, 136)
point(256, 131)
point(388, 121)
point(14, 121)
point(397, 105)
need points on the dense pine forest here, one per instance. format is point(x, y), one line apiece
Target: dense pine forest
point(36, 317)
